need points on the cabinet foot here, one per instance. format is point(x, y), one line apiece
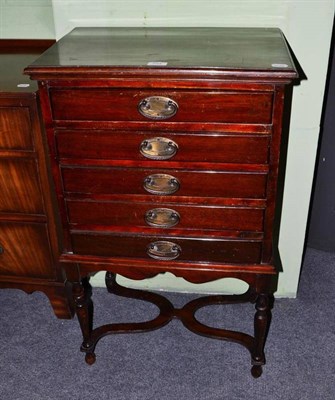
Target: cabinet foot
point(256, 371)
point(90, 358)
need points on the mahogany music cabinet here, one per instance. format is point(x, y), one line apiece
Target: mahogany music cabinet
point(164, 145)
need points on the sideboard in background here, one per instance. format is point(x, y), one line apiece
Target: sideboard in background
point(28, 228)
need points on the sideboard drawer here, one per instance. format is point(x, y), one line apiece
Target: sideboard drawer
point(181, 248)
point(24, 250)
point(164, 215)
point(15, 129)
point(107, 180)
point(191, 106)
point(20, 186)
point(185, 147)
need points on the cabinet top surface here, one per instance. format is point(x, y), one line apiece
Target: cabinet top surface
point(234, 49)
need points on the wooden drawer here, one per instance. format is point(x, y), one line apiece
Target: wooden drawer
point(108, 180)
point(134, 214)
point(197, 147)
point(15, 128)
point(24, 250)
point(122, 105)
point(20, 188)
point(189, 249)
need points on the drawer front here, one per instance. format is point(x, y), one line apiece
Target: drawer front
point(164, 182)
point(24, 250)
point(15, 129)
point(237, 148)
point(167, 248)
point(20, 189)
point(134, 214)
point(190, 106)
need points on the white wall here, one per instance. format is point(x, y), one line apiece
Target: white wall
point(26, 19)
point(307, 25)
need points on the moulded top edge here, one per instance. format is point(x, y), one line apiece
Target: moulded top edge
point(247, 50)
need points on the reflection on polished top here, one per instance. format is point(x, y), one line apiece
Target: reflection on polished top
point(253, 49)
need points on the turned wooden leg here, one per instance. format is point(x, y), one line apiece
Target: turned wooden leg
point(84, 311)
point(261, 325)
point(110, 279)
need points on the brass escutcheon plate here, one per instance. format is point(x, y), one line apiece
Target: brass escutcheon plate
point(162, 217)
point(157, 107)
point(163, 250)
point(158, 148)
point(161, 184)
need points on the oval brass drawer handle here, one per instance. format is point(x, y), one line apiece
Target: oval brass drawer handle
point(163, 250)
point(157, 107)
point(161, 184)
point(162, 217)
point(158, 148)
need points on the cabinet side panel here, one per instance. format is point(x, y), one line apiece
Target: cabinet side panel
point(268, 247)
